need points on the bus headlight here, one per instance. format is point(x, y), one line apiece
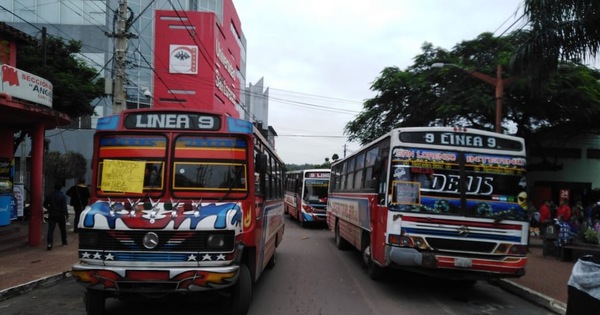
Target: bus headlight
point(215, 241)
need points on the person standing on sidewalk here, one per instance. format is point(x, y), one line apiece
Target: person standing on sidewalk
point(80, 197)
point(545, 214)
point(56, 204)
point(563, 213)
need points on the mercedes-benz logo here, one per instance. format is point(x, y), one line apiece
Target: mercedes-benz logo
point(463, 231)
point(150, 240)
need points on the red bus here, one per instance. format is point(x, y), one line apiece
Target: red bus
point(183, 201)
point(306, 195)
point(441, 201)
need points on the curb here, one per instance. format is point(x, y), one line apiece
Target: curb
point(547, 302)
point(29, 286)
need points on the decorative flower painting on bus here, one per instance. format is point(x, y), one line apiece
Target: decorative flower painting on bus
point(105, 215)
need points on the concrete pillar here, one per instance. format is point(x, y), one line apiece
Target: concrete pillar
point(37, 189)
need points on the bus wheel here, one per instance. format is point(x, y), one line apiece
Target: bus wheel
point(94, 302)
point(241, 294)
point(301, 219)
point(340, 242)
point(373, 270)
point(272, 261)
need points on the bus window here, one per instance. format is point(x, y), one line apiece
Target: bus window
point(315, 191)
point(153, 175)
point(209, 176)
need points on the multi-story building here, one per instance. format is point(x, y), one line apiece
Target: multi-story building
point(156, 32)
point(95, 24)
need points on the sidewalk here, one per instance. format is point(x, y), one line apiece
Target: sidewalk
point(25, 268)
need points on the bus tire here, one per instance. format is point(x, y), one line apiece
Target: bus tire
point(94, 302)
point(340, 242)
point(273, 261)
point(241, 292)
point(374, 271)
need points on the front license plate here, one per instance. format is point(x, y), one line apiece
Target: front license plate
point(463, 262)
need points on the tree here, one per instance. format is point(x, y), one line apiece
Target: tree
point(561, 30)
point(422, 96)
point(58, 167)
point(75, 84)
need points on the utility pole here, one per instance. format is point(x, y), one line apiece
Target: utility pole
point(120, 76)
point(498, 82)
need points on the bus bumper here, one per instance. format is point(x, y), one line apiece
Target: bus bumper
point(314, 217)
point(504, 266)
point(155, 280)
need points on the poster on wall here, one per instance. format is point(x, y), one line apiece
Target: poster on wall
point(6, 177)
point(183, 59)
point(19, 199)
point(565, 194)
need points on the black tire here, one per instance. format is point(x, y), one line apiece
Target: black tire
point(301, 219)
point(273, 261)
point(340, 242)
point(94, 302)
point(374, 271)
point(241, 293)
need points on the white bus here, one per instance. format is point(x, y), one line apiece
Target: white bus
point(438, 200)
point(306, 195)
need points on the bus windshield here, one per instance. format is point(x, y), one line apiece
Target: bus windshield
point(150, 149)
point(210, 163)
point(209, 176)
point(315, 191)
point(457, 183)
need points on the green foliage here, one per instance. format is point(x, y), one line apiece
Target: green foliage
point(590, 235)
point(451, 96)
point(75, 84)
point(561, 30)
point(58, 167)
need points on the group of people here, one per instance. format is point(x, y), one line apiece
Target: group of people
point(58, 214)
point(570, 220)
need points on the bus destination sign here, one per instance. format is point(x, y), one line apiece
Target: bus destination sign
point(460, 139)
point(173, 120)
point(317, 175)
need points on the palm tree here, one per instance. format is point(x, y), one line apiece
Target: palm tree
point(561, 30)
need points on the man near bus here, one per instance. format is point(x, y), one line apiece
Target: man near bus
point(56, 204)
point(80, 197)
point(545, 214)
point(563, 213)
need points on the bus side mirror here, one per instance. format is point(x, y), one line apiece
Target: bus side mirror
point(261, 163)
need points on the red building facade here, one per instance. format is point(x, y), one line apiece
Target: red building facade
point(198, 60)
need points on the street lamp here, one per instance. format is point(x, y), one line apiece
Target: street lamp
point(497, 82)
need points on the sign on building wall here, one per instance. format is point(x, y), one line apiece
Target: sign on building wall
point(26, 86)
point(183, 59)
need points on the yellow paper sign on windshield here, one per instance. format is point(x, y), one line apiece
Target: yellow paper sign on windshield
point(123, 176)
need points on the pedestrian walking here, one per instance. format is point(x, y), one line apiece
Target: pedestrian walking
point(56, 204)
point(80, 197)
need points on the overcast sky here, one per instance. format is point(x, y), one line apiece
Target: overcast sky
point(319, 57)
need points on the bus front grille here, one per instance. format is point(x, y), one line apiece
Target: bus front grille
point(132, 240)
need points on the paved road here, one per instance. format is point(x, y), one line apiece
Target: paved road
point(311, 277)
